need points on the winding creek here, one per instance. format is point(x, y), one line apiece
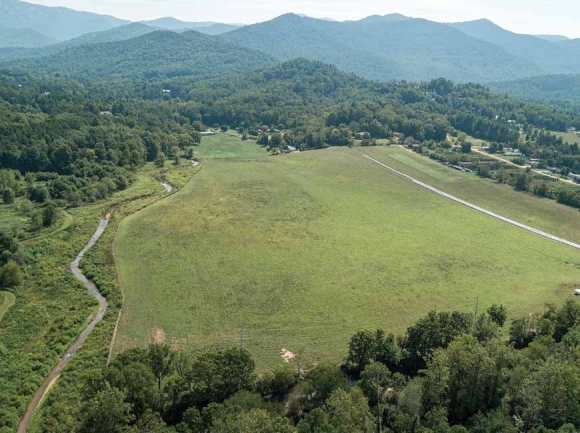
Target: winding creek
point(55, 373)
point(167, 187)
point(57, 370)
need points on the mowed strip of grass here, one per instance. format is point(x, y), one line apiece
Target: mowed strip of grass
point(540, 213)
point(7, 300)
point(224, 146)
point(308, 248)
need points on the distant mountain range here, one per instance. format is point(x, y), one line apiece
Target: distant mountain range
point(121, 33)
point(23, 38)
point(378, 47)
point(28, 25)
point(560, 57)
point(56, 23)
point(207, 27)
point(384, 48)
point(553, 38)
point(559, 90)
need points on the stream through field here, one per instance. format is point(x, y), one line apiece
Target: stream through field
point(92, 288)
point(57, 370)
point(167, 187)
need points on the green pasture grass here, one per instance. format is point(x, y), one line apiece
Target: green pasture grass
point(227, 146)
point(10, 218)
point(307, 248)
point(568, 136)
point(540, 213)
point(7, 300)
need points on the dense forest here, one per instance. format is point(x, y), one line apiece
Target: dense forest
point(152, 55)
point(561, 91)
point(450, 372)
point(302, 95)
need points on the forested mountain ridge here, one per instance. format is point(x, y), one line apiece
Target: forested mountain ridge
point(160, 53)
point(552, 57)
point(558, 90)
point(56, 22)
point(208, 27)
point(23, 38)
point(413, 49)
point(316, 104)
point(121, 33)
point(306, 97)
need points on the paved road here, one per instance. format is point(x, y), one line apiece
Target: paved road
point(57, 370)
point(477, 208)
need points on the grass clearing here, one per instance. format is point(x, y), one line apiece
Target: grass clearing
point(568, 137)
point(540, 213)
point(223, 146)
point(10, 218)
point(307, 248)
point(7, 300)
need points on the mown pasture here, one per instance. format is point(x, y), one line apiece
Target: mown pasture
point(307, 248)
point(223, 146)
point(7, 300)
point(540, 213)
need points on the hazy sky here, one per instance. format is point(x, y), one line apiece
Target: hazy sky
point(522, 16)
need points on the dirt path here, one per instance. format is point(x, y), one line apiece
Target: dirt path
point(57, 370)
point(477, 208)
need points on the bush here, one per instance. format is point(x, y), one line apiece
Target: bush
point(8, 196)
point(10, 274)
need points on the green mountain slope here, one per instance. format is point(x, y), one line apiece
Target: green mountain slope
point(559, 90)
point(57, 22)
point(116, 34)
point(160, 53)
point(554, 58)
point(23, 38)
point(413, 49)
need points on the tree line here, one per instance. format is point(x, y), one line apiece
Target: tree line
point(451, 372)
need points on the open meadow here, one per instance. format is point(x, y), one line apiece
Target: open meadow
point(307, 248)
point(540, 213)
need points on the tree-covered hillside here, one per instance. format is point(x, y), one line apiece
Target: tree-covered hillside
point(305, 97)
point(57, 22)
point(411, 49)
point(157, 54)
point(23, 38)
point(552, 57)
point(562, 91)
point(121, 33)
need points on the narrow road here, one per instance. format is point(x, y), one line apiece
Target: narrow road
point(57, 370)
point(477, 208)
point(523, 167)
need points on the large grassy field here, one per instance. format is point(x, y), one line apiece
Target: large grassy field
point(307, 248)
